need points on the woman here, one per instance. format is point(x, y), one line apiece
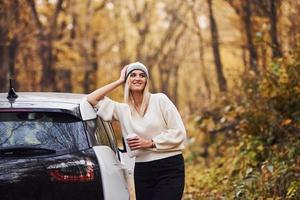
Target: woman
point(159, 133)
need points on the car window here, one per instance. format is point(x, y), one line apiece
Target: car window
point(118, 133)
point(111, 136)
point(101, 134)
point(58, 131)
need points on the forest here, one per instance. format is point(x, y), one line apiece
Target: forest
point(232, 67)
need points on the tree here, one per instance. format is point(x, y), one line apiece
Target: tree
point(270, 9)
point(293, 30)
point(216, 51)
point(3, 47)
point(198, 32)
point(9, 41)
point(90, 47)
point(157, 45)
point(243, 9)
point(46, 36)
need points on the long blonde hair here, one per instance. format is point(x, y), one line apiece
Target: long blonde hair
point(130, 101)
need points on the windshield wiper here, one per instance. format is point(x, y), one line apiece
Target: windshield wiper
point(24, 151)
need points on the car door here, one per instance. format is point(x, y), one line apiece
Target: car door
point(126, 160)
point(113, 172)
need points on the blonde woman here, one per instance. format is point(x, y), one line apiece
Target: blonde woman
point(158, 131)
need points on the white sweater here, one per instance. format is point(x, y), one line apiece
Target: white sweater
point(161, 123)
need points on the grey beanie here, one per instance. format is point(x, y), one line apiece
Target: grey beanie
point(136, 66)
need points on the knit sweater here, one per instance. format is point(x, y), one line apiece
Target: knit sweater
point(161, 123)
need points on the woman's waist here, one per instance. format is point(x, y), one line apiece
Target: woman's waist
point(146, 156)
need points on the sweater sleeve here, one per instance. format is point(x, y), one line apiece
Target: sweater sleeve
point(173, 137)
point(108, 109)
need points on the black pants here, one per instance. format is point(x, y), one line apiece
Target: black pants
point(160, 179)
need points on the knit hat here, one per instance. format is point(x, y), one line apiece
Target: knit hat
point(136, 66)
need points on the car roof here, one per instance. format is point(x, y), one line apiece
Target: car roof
point(50, 101)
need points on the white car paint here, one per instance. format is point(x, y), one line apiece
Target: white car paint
point(113, 174)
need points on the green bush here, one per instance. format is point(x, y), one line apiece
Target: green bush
point(249, 147)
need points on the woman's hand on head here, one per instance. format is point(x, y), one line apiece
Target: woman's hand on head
point(123, 74)
point(139, 143)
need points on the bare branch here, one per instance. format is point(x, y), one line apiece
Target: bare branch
point(53, 21)
point(35, 14)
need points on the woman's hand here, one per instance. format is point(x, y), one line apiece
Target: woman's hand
point(123, 74)
point(139, 143)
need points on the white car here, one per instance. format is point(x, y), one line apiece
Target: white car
point(54, 146)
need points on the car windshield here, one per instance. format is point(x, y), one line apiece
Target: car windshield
point(57, 131)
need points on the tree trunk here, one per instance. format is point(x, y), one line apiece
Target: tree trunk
point(175, 86)
point(3, 57)
point(64, 83)
point(86, 82)
point(164, 79)
point(294, 33)
point(14, 45)
point(244, 58)
point(8, 45)
point(276, 48)
point(248, 28)
point(201, 52)
point(3, 69)
point(153, 84)
point(12, 55)
point(216, 51)
point(94, 63)
point(203, 67)
point(46, 56)
point(143, 31)
point(87, 46)
point(45, 40)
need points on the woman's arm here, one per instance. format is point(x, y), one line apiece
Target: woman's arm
point(173, 137)
point(94, 97)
